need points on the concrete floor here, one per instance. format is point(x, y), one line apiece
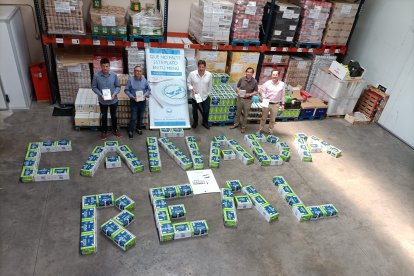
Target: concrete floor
point(372, 185)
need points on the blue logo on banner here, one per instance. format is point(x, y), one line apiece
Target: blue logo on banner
point(174, 91)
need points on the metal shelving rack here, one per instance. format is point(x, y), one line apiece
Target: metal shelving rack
point(60, 40)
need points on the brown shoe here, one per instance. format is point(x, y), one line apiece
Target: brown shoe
point(243, 130)
point(234, 126)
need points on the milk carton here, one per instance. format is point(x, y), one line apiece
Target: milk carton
point(87, 243)
point(234, 185)
point(272, 139)
point(279, 180)
point(124, 239)
point(166, 231)
point(258, 199)
point(301, 212)
point(170, 192)
point(110, 227)
point(285, 155)
point(43, 175)
point(243, 202)
point(199, 228)
point(230, 218)
point(105, 200)
point(228, 154)
point(301, 136)
point(89, 169)
point(124, 218)
point(305, 156)
point(184, 190)
point(268, 212)
point(176, 211)
point(317, 212)
point(314, 148)
point(226, 192)
point(260, 137)
point(275, 160)
point(162, 216)
point(182, 230)
point(28, 174)
point(282, 146)
point(124, 203)
point(60, 173)
point(111, 146)
point(156, 193)
point(330, 210)
point(134, 165)
point(293, 199)
point(113, 162)
point(227, 202)
point(221, 139)
point(47, 146)
point(63, 145)
point(89, 212)
point(249, 190)
point(89, 201)
point(284, 190)
point(334, 151)
point(159, 203)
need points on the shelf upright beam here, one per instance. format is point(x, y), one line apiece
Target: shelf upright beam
point(165, 19)
point(47, 53)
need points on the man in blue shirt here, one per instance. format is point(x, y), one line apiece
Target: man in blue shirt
point(138, 90)
point(106, 85)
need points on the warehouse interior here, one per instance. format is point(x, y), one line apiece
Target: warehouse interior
point(370, 184)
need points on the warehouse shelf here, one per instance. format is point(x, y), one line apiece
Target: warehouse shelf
point(88, 40)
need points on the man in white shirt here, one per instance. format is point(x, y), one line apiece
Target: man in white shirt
point(200, 83)
point(273, 93)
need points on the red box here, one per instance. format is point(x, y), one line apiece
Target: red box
point(40, 82)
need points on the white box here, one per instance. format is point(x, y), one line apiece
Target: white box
point(338, 70)
point(113, 162)
point(43, 175)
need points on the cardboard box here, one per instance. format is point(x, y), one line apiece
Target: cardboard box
point(182, 230)
point(230, 218)
point(284, 190)
point(268, 212)
point(357, 118)
point(43, 175)
point(226, 192)
point(279, 180)
point(110, 227)
point(275, 160)
point(89, 169)
point(124, 239)
point(61, 173)
point(89, 201)
point(156, 193)
point(89, 212)
point(258, 199)
point(166, 231)
point(113, 162)
point(243, 202)
point(28, 174)
point(234, 185)
point(162, 216)
point(228, 154)
point(111, 146)
point(63, 145)
point(124, 218)
point(184, 190)
point(249, 190)
point(330, 210)
point(272, 139)
point(124, 203)
point(285, 155)
point(170, 192)
point(87, 244)
point(334, 151)
point(88, 225)
point(177, 211)
point(317, 212)
point(199, 228)
point(301, 212)
point(228, 203)
point(293, 199)
point(105, 200)
point(159, 203)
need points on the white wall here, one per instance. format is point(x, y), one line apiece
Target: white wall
point(383, 43)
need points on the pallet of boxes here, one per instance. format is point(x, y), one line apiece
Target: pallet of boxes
point(340, 91)
point(210, 21)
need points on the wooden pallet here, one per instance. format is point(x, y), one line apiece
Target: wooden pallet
point(209, 43)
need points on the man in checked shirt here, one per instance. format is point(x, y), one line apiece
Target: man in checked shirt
point(273, 92)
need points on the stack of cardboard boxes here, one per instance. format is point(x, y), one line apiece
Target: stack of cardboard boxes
point(65, 17)
point(210, 21)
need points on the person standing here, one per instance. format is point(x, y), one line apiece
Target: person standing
point(200, 83)
point(138, 90)
point(245, 90)
point(273, 93)
point(106, 85)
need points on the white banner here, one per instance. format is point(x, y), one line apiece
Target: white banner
point(168, 103)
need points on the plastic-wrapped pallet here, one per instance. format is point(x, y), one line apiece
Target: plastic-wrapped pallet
point(340, 23)
point(222, 104)
point(210, 21)
point(318, 62)
point(273, 62)
point(341, 95)
point(239, 62)
point(215, 60)
point(313, 17)
point(247, 19)
point(108, 21)
point(298, 71)
point(65, 17)
point(284, 23)
point(145, 23)
point(72, 70)
point(114, 55)
point(135, 57)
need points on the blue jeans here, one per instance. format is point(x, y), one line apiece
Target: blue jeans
point(137, 113)
point(104, 113)
point(204, 107)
